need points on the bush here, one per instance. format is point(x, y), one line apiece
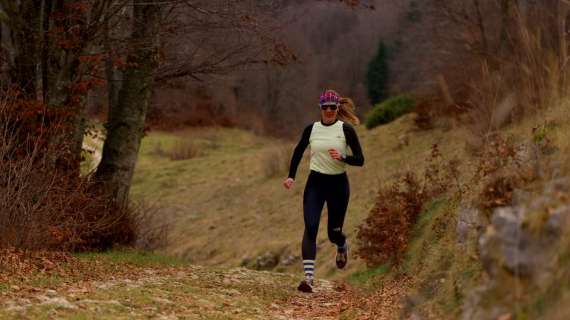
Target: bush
point(502, 167)
point(384, 235)
point(182, 149)
point(276, 161)
point(389, 110)
point(185, 149)
point(46, 206)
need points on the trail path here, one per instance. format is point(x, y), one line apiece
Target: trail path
point(189, 292)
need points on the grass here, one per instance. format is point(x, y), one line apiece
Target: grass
point(442, 268)
point(446, 271)
point(134, 257)
point(40, 280)
point(128, 284)
point(427, 230)
point(226, 205)
point(369, 275)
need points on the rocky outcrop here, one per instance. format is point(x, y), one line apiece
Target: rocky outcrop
point(520, 243)
point(269, 260)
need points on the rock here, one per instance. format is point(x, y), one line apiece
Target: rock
point(557, 220)
point(58, 302)
point(267, 261)
point(289, 260)
point(468, 223)
point(245, 261)
point(508, 249)
point(51, 293)
point(505, 245)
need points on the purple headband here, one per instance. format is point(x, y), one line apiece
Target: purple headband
point(329, 97)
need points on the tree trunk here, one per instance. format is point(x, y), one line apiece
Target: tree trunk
point(24, 22)
point(125, 125)
point(112, 74)
point(61, 76)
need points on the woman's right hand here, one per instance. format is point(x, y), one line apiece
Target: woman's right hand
point(288, 183)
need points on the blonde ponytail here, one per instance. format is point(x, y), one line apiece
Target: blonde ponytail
point(347, 113)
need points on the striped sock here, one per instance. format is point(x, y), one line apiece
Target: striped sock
point(309, 266)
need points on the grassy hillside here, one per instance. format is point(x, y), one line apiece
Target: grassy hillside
point(225, 207)
point(226, 203)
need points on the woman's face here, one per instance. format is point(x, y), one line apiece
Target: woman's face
point(329, 113)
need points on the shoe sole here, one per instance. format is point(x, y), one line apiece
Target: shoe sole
point(304, 287)
point(345, 262)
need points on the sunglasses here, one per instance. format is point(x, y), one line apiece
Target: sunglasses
point(333, 107)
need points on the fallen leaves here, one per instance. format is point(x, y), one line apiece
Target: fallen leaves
point(61, 284)
point(336, 300)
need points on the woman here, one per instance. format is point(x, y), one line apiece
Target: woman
point(329, 140)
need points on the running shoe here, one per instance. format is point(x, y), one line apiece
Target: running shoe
point(342, 256)
point(306, 286)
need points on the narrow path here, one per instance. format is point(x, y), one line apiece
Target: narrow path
point(341, 301)
point(189, 292)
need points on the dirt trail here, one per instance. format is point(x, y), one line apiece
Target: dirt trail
point(192, 292)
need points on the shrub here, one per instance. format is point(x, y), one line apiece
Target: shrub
point(276, 162)
point(389, 110)
point(151, 227)
point(384, 235)
point(46, 206)
point(425, 116)
point(184, 150)
point(501, 168)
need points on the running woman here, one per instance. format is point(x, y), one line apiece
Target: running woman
point(329, 140)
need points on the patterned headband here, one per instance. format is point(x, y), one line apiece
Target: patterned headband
point(329, 97)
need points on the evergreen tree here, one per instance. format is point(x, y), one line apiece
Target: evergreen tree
point(377, 75)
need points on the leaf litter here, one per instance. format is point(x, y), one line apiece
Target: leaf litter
point(55, 285)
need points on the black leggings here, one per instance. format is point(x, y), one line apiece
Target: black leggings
point(335, 190)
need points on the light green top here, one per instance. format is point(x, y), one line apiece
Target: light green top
point(322, 139)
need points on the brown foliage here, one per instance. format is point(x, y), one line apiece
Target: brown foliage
point(501, 169)
point(42, 204)
point(17, 263)
point(501, 59)
point(384, 235)
point(424, 115)
point(175, 108)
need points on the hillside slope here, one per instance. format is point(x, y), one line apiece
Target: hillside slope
point(227, 211)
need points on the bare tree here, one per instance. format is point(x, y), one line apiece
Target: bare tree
point(126, 120)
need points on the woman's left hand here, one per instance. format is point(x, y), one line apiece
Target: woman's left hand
point(335, 154)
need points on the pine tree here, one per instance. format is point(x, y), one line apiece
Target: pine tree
point(377, 75)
